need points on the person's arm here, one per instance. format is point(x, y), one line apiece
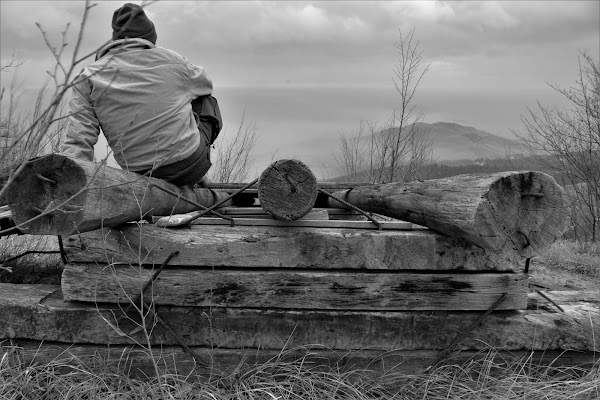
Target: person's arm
point(200, 83)
point(83, 127)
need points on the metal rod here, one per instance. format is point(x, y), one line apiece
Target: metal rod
point(550, 300)
point(43, 178)
point(462, 334)
point(178, 195)
point(291, 182)
point(224, 200)
point(536, 195)
point(352, 206)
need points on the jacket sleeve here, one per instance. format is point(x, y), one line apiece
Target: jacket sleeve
point(200, 83)
point(83, 127)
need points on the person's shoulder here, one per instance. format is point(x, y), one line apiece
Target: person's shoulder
point(170, 53)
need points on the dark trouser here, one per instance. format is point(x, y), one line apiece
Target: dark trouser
point(192, 169)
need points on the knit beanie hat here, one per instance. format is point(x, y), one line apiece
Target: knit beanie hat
point(130, 21)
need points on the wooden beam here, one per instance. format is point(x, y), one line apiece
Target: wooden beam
point(280, 247)
point(28, 312)
point(137, 361)
point(298, 289)
point(521, 212)
point(57, 195)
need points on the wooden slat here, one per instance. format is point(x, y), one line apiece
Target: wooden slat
point(33, 316)
point(295, 289)
point(306, 223)
point(137, 361)
point(278, 247)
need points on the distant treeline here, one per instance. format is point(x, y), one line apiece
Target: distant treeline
point(483, 166)
point(489, 166)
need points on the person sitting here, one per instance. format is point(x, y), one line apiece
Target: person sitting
point(154, 107)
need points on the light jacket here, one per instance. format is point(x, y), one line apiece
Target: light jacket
point(139, 95)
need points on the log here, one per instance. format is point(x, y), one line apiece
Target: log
point(278, 247)
point(306, 289)
point(57, 195)
point(28, 312)
point(287, 190)
point(520, 212)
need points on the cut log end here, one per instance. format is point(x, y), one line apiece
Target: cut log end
point(287, 190)
point(526, 211)
point(37, 195)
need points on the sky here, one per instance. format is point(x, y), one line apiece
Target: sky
point(307, 72)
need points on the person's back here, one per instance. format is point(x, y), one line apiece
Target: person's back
point(140, 96)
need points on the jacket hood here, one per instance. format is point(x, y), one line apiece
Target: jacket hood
point(124, 45)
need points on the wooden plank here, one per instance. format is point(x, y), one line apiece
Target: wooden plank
point(180, 220)
point(298, 289)
point(137, 361)
point(278, 247)
point(300, 223)
point(53, 319)
point(233, 211)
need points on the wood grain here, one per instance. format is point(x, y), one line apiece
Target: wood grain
point(36, 316)
point(96, 196)
point(287, 189)
point(293, 289)
point(280, 247)
point(522, 212)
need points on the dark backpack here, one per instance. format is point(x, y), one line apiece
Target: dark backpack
point(206, 108)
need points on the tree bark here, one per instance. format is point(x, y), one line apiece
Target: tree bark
point(287, 190)
point(522, 212)
point(57, 195)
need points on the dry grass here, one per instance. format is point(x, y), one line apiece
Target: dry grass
point(491, 377)
point(41, 265)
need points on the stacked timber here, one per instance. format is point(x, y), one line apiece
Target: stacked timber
point(370, 296)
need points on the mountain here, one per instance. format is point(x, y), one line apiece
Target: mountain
point(454, 142)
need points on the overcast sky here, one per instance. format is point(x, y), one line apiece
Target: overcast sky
point(307, 71)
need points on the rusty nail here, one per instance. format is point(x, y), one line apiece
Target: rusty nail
point(43, 178)
point(536, 195)
point(291, 182)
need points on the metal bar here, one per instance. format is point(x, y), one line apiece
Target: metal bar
point(550, 300)
point(178, 195)
point(462, 334)
point(352, 206)
point(43, 178)
point(224, 200)
point(536, 195)
point(292, 183)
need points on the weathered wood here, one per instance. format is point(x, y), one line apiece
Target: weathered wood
point(137, 361)
point(78, 196)
point(294, 289)
point(307, 223)
point(27, 314)
point(287, 189)
point(277, 247)
point(522, 212)
point(180, 220)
